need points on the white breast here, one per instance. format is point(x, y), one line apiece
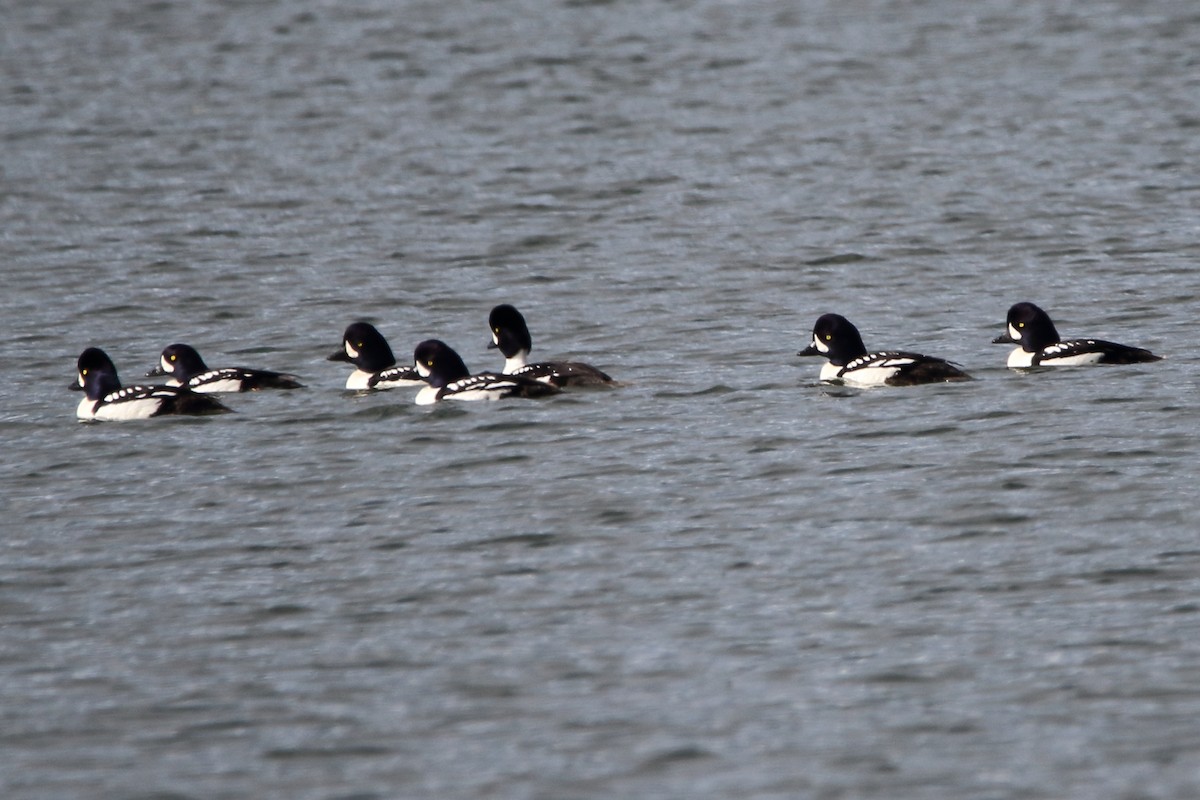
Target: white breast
point(427, 396)
point(1019, 358)
point(85, 409)
point(358, 379)
point(519, 359)
point(829, 372)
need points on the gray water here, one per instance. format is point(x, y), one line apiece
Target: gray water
point(723, 579)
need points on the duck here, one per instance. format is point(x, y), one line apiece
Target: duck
point(375, 366)
point(510, 334)
point(105, 398)
point(186, 368)
point(1039, 345)
point(448, 378)
point(837, 339)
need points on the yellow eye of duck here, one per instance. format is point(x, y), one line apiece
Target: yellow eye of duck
point(829, 337)
point(1020, 324)
point(173, 357)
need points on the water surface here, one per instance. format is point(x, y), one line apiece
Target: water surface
point(721, 580)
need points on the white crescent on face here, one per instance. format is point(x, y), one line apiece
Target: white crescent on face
point(422, 370)
point(166, 365)
point(821, 346)
point(350, 351)
point(1013, 333)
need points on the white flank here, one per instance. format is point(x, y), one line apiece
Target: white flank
point(876, 374)
point(494, 393)
point(478, 387)
point(214, 386)
point(1048, 359)
point(427, 396)
point(386, 384)
point(1019, 359)
point(118, 410)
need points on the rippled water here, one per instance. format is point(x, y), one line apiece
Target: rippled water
point(721, 580)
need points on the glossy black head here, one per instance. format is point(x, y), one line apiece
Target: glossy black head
point(180, 361)
point(835, 338)
point(1028, 326)
point(97, 374)
point(365, 348)
point(509, 331)
point(438, 364)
